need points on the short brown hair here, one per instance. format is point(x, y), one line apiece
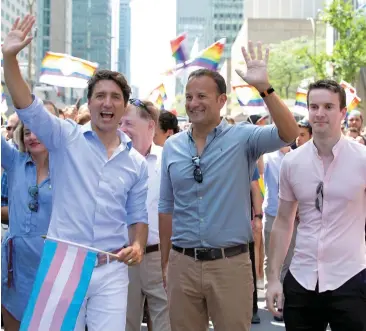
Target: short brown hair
point(147, 110)
point(115, 76)
point(219, 80)
point(19, 137)
point(330, 85)
point(50, 103)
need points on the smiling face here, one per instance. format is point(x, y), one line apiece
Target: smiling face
point(325, 114)
point(203, 101)
point(31, 143)
point(354, 121)
point(106, 106)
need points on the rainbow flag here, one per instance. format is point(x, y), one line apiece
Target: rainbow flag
point(179, 49)
point(261, 185)
point(255, 99)
point(60, 287)
point(352, 100)
point(210, 57)
point(301, 98)
point(66, 71)
point(161, 90)
point(160, 102)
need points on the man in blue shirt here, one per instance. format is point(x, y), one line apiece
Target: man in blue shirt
point(99, 182)
point(205, 201)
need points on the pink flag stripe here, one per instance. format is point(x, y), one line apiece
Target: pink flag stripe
point(47, 286)
point(69, 290)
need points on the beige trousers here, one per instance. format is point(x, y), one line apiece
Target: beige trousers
point(146, 282)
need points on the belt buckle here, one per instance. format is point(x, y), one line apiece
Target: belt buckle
point(197, 251)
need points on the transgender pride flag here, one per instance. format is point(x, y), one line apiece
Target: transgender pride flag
point(60, 287)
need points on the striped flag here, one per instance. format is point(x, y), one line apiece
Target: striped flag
point(301, 98)
point(352, 100)
point(60, 287)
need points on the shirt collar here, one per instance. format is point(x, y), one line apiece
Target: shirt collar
point(221, 127)
point(335, 150)
point(29, 159)
point(154, 150)
point(125, 140)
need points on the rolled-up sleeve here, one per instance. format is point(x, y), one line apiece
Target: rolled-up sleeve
point(8, 155)
point(166, 202)
point(265, 139)
point(286, 192)
point(49, 129)
point(136, 200)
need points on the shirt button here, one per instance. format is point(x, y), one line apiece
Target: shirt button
point(27, 229)
point(201, 219)
point(200, 198)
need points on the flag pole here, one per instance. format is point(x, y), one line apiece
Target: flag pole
point(81, 246)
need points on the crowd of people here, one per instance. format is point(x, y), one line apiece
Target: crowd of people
point(182, 210)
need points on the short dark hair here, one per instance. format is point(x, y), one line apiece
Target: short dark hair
point(330, 85)
point(115, 76)
point(50, 103)
point(168, 121)
point(304, 123)
point(219, 80)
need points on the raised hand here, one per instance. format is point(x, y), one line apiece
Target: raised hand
point(18, 38)
point(257, 74)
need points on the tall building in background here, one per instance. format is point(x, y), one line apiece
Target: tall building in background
point(295, 9)
point(92, 31)
point(10, 10)
point(54, 22)
point(196, 18)
point(124, 46)
point(227, 21)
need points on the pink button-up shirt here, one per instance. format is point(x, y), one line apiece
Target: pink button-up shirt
point(330, 245)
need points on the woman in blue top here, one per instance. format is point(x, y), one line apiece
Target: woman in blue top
point(30, 206)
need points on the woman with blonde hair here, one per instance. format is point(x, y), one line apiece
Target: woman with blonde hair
point(30, 206)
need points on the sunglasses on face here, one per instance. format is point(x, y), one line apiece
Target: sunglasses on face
point(319, 197)
point(33, 204)
point(197, 172)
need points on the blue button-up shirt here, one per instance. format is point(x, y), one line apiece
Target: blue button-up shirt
point(4, 189)
point(26, 227)
point(216, 212)
point(272, 164)
point(94, 198)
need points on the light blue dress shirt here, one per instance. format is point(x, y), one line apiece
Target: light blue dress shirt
point(94, 198)
point(25, 228)
point(272, 164)
point(216, 212)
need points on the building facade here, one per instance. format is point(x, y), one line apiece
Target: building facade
point(92, 31)
point(124, 44)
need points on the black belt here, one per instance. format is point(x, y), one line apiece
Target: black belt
point(210, 254)
point(152, 248)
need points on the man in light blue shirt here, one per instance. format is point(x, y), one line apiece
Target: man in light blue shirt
point(99, 182)
point(205, 201)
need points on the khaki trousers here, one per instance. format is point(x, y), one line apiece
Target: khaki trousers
point(221, 289)
point(146, 282)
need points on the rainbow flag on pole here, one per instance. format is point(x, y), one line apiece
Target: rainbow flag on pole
point(66, 71)
point(179, 49)
point(162, 91)
point(301, 98)
point(210, 57)
point(352, 99)
point(60, 287)
point(255, 99)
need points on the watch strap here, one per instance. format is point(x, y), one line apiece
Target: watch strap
point(267, 92)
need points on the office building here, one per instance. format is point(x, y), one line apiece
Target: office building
point(124, 45)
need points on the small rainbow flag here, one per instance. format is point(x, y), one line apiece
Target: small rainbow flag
point(262, 186)
point(179, 49)
point(160, 102)
point(210, 57)
point(66, 71)
point(60, 287)
point(161, 90)
point(255, 99)
point(352, 99)
point(301, 98)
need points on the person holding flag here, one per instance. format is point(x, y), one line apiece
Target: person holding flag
point(99, 186)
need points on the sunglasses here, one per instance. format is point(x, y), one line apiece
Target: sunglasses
point(33, 204)
point(319, 197)
point(197, 172)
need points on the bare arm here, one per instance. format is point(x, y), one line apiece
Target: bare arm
point(16, 40)
point(281, 236)
point(137, 234)
point(5, 215)
point(257, 76)
point(165, 234)
point(256, 197)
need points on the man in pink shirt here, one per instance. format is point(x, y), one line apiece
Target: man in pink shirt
point(326, 179)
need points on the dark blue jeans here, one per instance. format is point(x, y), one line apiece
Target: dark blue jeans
point(344, 308)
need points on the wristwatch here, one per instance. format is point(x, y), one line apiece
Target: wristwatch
point(267, 92)
point(260, 216)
